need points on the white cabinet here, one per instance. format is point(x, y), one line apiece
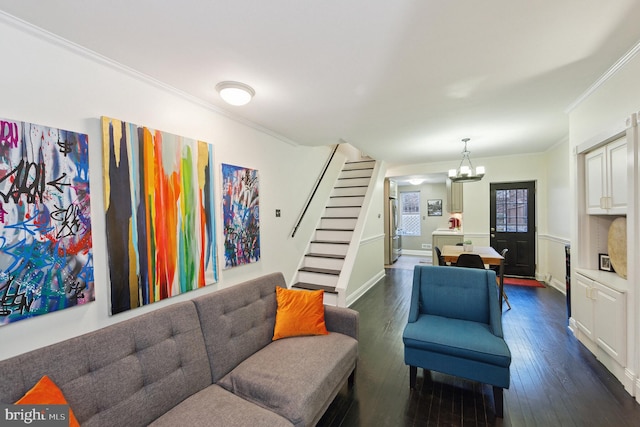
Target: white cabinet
point(441, 239)
point(454, 196)
point(606, 179)
point(582, 305)
point(600, 315)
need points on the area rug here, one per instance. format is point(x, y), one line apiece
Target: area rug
point(516, 281)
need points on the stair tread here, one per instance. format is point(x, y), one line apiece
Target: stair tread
point(314, 287)
point(320, 270)
point(354, 177)
point(349, 206)
point(351, 186)
point(331, 242)
point(355, 195)
point(339, 217)
point(334, 229)
point(357, 169)
point(318, 255)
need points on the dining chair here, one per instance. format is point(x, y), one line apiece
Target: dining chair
point(439, 256)
point(470, 261)
point(475, 261)
point(497, 270)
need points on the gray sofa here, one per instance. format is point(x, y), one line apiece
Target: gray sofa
point(209, 361)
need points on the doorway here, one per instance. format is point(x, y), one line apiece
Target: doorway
point(513, 225)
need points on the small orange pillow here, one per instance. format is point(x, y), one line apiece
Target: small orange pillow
point(47, 392)
point(299, 313)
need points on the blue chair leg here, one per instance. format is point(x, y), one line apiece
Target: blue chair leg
point(498, 401)
point(413, 373)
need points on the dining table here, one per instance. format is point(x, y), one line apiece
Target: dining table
point(490, 256)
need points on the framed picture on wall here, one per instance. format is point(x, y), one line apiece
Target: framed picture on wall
point(434, 207)
point(604, 262)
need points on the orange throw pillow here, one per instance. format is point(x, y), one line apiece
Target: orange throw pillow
point(46, 392)
point(299, 313)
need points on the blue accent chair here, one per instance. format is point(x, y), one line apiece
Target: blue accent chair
point(455, 327)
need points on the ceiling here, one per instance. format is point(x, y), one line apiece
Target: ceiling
point(403, 81)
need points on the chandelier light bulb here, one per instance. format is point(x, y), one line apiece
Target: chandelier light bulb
point(466, 172)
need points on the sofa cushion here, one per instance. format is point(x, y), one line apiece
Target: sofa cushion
point(455, 337)
point(216, 407)
point(299, 313)
point(296, 377)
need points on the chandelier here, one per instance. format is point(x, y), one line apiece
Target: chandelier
point(466, 173)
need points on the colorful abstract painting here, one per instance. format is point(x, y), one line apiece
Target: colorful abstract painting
point(46, 258)
point(241, 213)
point(160, 218)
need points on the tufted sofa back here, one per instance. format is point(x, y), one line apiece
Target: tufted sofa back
point(238, 321)
point(127, 374)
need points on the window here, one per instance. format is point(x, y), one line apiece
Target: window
point(410, 214)
point(511, 210)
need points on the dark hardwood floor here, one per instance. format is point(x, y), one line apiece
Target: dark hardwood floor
point(555, 381)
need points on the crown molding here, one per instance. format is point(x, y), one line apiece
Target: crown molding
point(82, 51)
point(620, 63)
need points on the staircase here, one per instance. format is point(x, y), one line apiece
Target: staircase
point(325, 258)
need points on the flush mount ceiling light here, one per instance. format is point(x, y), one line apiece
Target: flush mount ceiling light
point(466, 173)
point(235, 93)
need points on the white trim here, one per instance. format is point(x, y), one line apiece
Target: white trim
point(354, 296)
point(417, 252)
point(50, 37)
point(558, 285)
point(555, 239)
point(606, 76)
point(371, 239)
point(612, 133)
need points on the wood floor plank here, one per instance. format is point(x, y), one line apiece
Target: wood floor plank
point(554, 379)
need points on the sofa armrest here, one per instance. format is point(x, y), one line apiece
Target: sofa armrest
point(342, 320)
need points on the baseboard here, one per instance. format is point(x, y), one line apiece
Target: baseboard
point(416, 252)
point(364, 288)
point(631, 383)
point(560, 286)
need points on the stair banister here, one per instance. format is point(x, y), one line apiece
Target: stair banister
point(315, 189)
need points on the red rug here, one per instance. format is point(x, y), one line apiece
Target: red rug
point(515, 281)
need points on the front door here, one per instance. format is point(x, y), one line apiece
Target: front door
point(513, 225)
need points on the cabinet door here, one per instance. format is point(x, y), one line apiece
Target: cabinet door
point(610, 324)
point(595, 180)
point(454, 196)
point(617, 176)
point(582, 305)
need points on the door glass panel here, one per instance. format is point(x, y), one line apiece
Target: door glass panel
point(511, 210)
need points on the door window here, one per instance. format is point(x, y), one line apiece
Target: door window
point(511, 210)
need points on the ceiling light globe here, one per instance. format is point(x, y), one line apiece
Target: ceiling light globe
point(235, 93)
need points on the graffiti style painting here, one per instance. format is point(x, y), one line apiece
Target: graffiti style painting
point(159, 214)
point(240, 205)
point(46, 258)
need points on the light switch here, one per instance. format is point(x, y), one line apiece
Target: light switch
point(277, 213)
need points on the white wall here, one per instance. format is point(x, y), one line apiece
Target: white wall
point(553, 238)
point(606, 108)
point(48, 82)
point(428, 224)
point(549, 172)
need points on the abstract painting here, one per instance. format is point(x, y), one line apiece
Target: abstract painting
point(160, 220)
point(241, 213)
point(46, 257)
